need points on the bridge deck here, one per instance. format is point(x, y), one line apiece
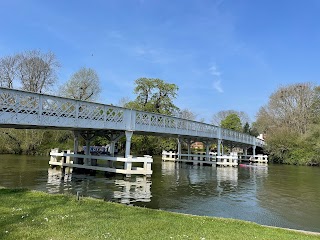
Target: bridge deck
point(20, 109)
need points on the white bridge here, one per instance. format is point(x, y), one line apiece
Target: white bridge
point(20, 109)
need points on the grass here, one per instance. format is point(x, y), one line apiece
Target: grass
point(36, 215)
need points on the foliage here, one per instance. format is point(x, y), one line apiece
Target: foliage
point(232, 121)
point(290, 122)
point(33, 141)
point(83, 85)
point(154, 95)
point(218, 117)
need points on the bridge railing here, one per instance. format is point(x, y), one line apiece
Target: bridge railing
point(41, 110)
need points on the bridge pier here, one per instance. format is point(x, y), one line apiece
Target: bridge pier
point(128, 142)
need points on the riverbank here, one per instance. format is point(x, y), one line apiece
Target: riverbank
point(36, 215)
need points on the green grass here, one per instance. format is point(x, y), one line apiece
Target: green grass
point(35, 215)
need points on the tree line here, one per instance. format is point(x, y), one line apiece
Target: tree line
point(289, 122)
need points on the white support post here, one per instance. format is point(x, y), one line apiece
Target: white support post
point(179, 148)
point(75, 145)
point(219, 147)
point(87, 153)
point(189, 148)
point(128, 142)
point(254, 151)
point(112, 146)
point(207, 150)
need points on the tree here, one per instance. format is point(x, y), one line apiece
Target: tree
point(232, 122)
point(154, 95)
point(37, 71)
point(291, 107)
point(83, 85)
point(8, 70)
point(218, 117)
point(246, 128)
point(186, 114)
point(290, 122)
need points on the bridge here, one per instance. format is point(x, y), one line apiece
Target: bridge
point(28, 110)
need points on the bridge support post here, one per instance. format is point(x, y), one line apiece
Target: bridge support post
point(128, 142)
point(254, 151)
point(76, 135)
point(179, 148)
point(207, 150)
point(219, 147)
point(189, 148)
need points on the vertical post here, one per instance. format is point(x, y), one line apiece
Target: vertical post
point(219, 147)
point(87, 153)
point(189, 148)
point(179, 148)
point(111, 149)
point(207, 150)
point(128, 142)
point(76, 135)
point(254, 151)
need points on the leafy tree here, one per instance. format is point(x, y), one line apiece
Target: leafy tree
point(290, 123)
point(246, 128)
point(154, 95)
point(83, 85)
point(232, 122)
point(218, 117)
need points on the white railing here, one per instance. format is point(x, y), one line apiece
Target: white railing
point(124, 166)
point(25, 109)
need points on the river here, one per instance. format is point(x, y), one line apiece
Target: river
point(276, 195)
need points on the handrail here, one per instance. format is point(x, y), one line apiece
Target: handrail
point(30, 109)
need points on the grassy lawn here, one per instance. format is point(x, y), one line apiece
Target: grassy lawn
point(35, 215)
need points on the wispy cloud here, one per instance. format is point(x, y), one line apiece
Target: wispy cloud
point(154, 55)
point(215, 72)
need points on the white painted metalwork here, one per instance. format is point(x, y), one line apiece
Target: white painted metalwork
point(22, 109)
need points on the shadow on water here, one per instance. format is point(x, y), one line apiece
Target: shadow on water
point(277, 195)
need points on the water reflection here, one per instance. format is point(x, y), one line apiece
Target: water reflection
point(130, 190)
point(136, 189)
point(227, 179)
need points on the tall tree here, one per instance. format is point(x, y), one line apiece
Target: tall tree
point(154, 95)
point(37, 71)
point(8, 70)
point(232, 122)
point(83, 85)
point(186, 114)
point(290, 107)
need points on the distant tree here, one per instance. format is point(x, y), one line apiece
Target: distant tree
point(8, 70)
point(246, 128)
point(291, 107)
point(37, 71)
point(218, 117)
point(232, 122)
point(290, 122)
point(186, 114)
point(83, 85)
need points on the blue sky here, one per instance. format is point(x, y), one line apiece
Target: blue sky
point(222, 54)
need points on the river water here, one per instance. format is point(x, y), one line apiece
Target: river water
point(276, 195)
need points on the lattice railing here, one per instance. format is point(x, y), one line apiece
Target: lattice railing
point(40, 110)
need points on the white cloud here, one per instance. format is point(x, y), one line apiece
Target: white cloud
point(217, 85)
point(214, 71)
